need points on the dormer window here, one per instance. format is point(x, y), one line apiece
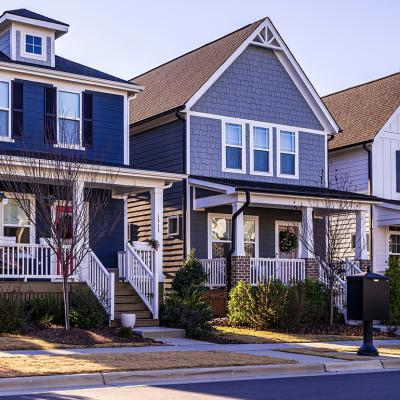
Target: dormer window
point(33, 44)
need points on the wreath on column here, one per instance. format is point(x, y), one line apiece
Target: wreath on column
point(288, 241)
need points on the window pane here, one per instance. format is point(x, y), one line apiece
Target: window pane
point(29, 48)
point(394, 244)
point(249, 228)
point(3, 123)
point(69, 105)
point(21, 234)
point(37, 50)
point(249, 249)
point(221, 228)
point(234, 134)
point(261, 138)
point(69, 131)
point(4, 94)
point(287, 141)
point(29, 39)
point(234, 157)
point(220, 250)
point(37, 41)
point(14, 215)
point(287, 164)
point(261, 161)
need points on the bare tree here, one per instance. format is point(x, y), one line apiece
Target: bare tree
point(329, 239)
point(62, 206)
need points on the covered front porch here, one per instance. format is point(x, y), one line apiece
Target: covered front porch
point(270, 215)
point(96, 245)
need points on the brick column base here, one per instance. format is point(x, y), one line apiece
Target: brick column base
point(364, 264)
point(312, 269)
point(240, 269)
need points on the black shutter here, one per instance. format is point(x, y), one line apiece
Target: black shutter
point(87, 139)
point(398, 171)
point(50, 117)
point(17, 99)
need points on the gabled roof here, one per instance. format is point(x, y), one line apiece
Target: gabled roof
point(170, 85)
point(361, 111)
point(23, 12)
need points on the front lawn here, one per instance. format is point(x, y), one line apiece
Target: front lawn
point(227, 334)
point(57, 338)
point(91, 363)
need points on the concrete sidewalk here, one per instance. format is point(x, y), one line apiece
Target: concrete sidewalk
point(196, 345)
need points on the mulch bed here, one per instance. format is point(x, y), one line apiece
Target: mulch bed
point(82, 337)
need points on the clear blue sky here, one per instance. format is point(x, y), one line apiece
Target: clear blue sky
point(338, 43)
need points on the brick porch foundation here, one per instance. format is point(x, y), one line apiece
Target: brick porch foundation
point(240, 269)
point(312, 269)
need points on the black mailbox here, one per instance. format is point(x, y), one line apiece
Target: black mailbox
point(368, 297)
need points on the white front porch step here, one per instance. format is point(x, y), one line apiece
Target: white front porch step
point(157, 332)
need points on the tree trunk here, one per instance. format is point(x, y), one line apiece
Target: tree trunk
point(66, 301)
point(332, 304)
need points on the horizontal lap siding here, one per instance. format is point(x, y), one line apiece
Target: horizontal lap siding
point(160, 149)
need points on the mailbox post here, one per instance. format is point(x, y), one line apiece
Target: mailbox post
point(368, 300)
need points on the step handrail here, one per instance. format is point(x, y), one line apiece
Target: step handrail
point(142, 279)
point(101, 282)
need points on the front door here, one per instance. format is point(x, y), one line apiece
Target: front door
point(287, 240)
point(64, 223)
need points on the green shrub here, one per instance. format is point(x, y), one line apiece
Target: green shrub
point(85, 310)
point(184, 306)
point(13, 316)
point(240, 304)
point(45, 310)
point(393, 273)
point(125, 332)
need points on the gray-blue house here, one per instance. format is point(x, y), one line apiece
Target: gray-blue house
point(241, 119)
point(64, 148)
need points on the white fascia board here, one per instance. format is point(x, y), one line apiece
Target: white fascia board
point(62, 29)
point(219, 187)
point(66, 76)
point(215, 201)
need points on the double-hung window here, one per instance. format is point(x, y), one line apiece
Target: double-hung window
point(16, 222)
point(4, 110)
point(220, 228)
point(234, 151)
point(69, 119)
point(261, 151)
point(288, 154)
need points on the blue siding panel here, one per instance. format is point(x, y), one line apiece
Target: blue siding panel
point(5, 43)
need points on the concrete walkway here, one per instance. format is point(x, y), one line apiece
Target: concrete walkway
point(196, 345)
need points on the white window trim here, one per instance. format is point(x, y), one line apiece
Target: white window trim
point(59, 143)
point(32, 226)
point(279, 152)
point(25, 54)
point(210, 216)
point(287, 223)
point(7, 138)
point(270, 150)
point(391, 232)
point(176, 233)
point(243, 146)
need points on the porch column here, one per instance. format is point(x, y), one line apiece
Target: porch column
point(307, 232)
point(361, 236)
point(78, 220)
point(157, 228)
point(239, 239)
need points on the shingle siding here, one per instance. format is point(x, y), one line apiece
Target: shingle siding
point(47, 50)
point(5, 43)
point(206, 155)
point(257, 87)
point(108, 127)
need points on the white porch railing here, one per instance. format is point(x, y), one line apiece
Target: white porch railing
point(215, 269)
point(143, 278)
point(285, 270)
point(101, 282)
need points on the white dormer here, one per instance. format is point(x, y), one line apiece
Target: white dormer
point(29, 37)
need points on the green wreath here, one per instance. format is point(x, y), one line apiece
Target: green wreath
point(288, 241)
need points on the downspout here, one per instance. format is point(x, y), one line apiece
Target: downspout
point(370, 192)
point(233, 245)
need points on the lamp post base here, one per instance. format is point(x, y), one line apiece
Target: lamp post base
point(368, 348)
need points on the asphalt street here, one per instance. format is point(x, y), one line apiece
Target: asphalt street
point(365, 386)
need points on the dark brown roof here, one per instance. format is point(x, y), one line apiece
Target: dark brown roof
point(172, 84)
point(361, 111)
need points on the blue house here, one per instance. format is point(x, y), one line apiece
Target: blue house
point(65, 125)
point(242, 120)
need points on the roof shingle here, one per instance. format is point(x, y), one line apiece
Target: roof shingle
point(172, 84)
point(361, 111)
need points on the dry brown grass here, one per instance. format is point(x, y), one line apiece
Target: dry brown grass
point(347, 353)
point(90, 363)
point(243, 335)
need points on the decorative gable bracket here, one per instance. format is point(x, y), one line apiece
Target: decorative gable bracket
point(265, 38)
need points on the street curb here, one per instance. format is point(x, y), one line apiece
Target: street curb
point(340, 366)
point(391, 364)
point(50, 381)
